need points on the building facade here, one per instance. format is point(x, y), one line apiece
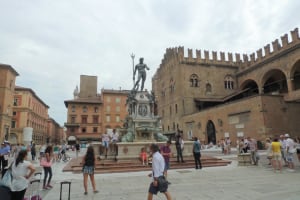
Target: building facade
point(7, 86)
point(216, 96)
point(55, 132)
point(91, 114)
point(114, 108)
point(29, 111)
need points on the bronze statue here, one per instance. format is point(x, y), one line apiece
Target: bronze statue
point(142, 74)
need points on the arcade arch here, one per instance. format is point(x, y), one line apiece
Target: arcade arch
point(252, 87)
point(295, 75)
point(274, 82)
point(211, 132)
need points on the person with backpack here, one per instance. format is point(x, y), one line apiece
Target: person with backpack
point(197, 154)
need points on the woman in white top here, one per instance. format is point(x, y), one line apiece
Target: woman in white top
point(21, 172)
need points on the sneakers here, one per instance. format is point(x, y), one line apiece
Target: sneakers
point(85, 193)
point(45, 188)
point(49, 186)
point(96, 191)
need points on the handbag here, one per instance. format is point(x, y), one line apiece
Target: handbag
point(45, 163)
point(7, 179)
point(162, 184)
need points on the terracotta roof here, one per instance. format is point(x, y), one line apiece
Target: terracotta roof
point(95, 100)
point(5, 66)
point(19, 88)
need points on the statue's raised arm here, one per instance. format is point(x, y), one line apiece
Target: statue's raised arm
point(141, 68)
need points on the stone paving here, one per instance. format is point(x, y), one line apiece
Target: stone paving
point(221, 183)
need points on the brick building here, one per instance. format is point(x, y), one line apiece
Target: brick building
point(29, 111)
point(215, 96)
point(7, 86)
point(90, 114)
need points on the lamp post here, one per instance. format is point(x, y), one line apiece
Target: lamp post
point(132, 57)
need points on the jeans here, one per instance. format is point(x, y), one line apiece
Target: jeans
point(47, 170)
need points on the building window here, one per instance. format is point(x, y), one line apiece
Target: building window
point(170, 110)
point(176, 108)
point(118, 100)
point(73, 119)
point(107, 99)
point(228, 82)
point(72, 130)
point(208, 88)
point(194, 80)
point(13, 124)
point(84, 109)
point(107, 118)
point(95, 109)
point(73, 108)
point(14, 113)
point(84, 119)
point(16, 102)
point(95, 119)
point(95, 129)
point(117, 108)
point(117, 118)
point(83, 130)
point(107, 108)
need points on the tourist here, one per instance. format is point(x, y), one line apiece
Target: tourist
point(4, 154)
point(158, 166)
point(228, 145)
point(33, 151)
point(253, 150)
point(241, 146)
point(298, 148)
point(77, 148)
point(166, 153)
point(179, 147)
point(144, 156)
point(276, 152)
point(114, 140)
point(46, 163)
point(268, 147)
point(105, 142)
point(22, 170)
point(282, 140)
point(88, 169)
point(56, 152)
point(197, 154)
point(290, 150)
point(42, 150)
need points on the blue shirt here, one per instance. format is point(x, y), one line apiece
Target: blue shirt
point(5, 150)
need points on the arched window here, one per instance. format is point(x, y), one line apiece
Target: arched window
point(208, 88)
point(194, 80)
point(228, 82)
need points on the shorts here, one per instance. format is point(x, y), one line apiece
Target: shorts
point(105, 144)
point(290, 157)
point(167, 166)
point(277, 156)
point(88, 169)
point(155, 190)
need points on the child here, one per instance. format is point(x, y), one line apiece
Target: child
point(144, 156)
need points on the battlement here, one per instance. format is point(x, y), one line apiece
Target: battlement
point(243, 61)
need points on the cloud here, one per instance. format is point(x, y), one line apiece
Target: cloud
point(51, 43)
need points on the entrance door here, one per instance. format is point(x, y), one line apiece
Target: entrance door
point(211, 132)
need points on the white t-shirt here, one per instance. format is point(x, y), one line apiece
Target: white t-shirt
point(115, 137)
point(291, 145)
point(19, 182)
point(158, 164)
point(105, 137)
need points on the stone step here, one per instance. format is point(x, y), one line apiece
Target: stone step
point(133, 165)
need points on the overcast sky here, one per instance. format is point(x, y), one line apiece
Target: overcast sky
point(50, 43)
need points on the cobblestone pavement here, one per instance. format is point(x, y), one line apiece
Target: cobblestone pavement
point(221, 183)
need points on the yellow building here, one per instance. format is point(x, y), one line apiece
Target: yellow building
point(29, 111)
point(7, 85)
